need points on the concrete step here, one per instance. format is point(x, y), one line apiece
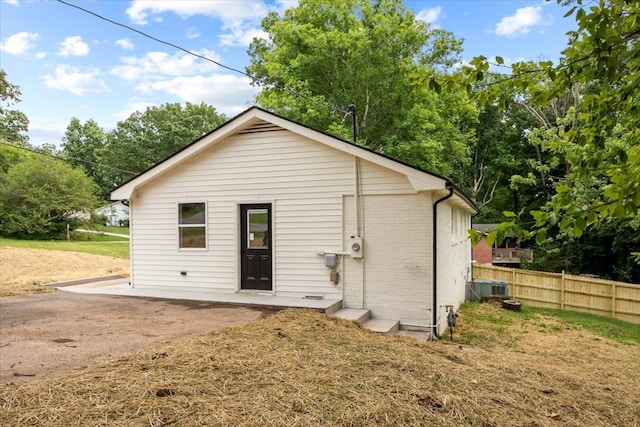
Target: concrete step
point(355, 314)
point(384, 326)
point(330, 310)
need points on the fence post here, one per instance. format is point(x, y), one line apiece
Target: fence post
point(613, 299)
point(562, 291)
point(513, 280)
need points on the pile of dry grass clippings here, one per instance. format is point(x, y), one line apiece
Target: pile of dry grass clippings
point(302, 368)
point(24, 271)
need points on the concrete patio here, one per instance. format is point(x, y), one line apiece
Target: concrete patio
point(115, 285)
point(118, 285)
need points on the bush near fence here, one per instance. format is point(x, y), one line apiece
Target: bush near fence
point(566, 291)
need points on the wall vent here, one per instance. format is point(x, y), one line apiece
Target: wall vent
point(259, 127)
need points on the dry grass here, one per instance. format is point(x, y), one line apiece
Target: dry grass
point(301, 368)
point(23, 271)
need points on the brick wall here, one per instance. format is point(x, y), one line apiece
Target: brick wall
point(482, 252)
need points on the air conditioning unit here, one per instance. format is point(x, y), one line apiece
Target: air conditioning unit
point(486, 288)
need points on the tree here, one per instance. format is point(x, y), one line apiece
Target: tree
point(9, 156)
point(13, 123)
point(40, 195)
point(82, 144)
point(321, 57)
point(599, 138)
point(500, 151)
point(144, 139)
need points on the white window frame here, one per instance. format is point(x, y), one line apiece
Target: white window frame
point(182, 226)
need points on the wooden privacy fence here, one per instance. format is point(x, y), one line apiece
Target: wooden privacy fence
point(565, 291)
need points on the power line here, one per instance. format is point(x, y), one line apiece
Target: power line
point(155, 38)
point(67, 158)
point(258, 81)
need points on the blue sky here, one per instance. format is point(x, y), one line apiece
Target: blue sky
point(69, 63)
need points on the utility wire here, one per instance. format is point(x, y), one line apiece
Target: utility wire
point(256, 80)
point(66, 158)
point(235, 70)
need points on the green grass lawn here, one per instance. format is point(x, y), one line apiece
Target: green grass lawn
point(113, 229)
point(604, 326)
point(500, 324)
point(95, 244)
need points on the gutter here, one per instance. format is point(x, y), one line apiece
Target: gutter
point(434, 310)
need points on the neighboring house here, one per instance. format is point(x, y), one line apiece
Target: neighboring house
point(507, 254)
point(115, 214)
point(79, 216)
point(263, 204)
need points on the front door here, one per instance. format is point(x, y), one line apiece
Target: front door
point(255, 247)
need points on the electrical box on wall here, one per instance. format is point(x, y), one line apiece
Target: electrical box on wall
point(356, 247)
point(331, 261)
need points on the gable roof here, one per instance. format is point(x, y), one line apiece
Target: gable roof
point(255, 120)
point(484, 228)
point(118, 205)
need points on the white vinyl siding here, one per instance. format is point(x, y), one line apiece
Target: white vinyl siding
point(305, 182)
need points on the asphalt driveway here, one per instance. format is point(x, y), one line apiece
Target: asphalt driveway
point(43, 336)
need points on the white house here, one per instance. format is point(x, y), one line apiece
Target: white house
point(115, 214)
point(264, 204)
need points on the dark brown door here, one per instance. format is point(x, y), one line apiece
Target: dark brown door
point(255, 247)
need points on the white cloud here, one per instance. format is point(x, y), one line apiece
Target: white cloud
point(19, 43)
point(429, 15)
point(41, 132)
point(228, 93)
point(240, 19)
point(12, 2)
point(70, 79)
point(521, 22)
point(239, 36)
point(156, 65)
point(73, 46)
point(140, 10)
point(125, 44)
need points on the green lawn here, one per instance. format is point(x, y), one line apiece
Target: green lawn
point(113, 229)
point(500, 323)
point(97, 245)
point(601, 325)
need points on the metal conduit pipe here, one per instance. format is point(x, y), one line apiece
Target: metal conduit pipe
point(442, 304)
point(448, 186)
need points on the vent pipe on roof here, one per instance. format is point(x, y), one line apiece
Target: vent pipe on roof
point(352, 111)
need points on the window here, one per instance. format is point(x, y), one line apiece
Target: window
point(192, 225)
point(258, 226)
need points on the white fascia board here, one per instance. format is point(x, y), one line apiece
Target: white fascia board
point(426, 182)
